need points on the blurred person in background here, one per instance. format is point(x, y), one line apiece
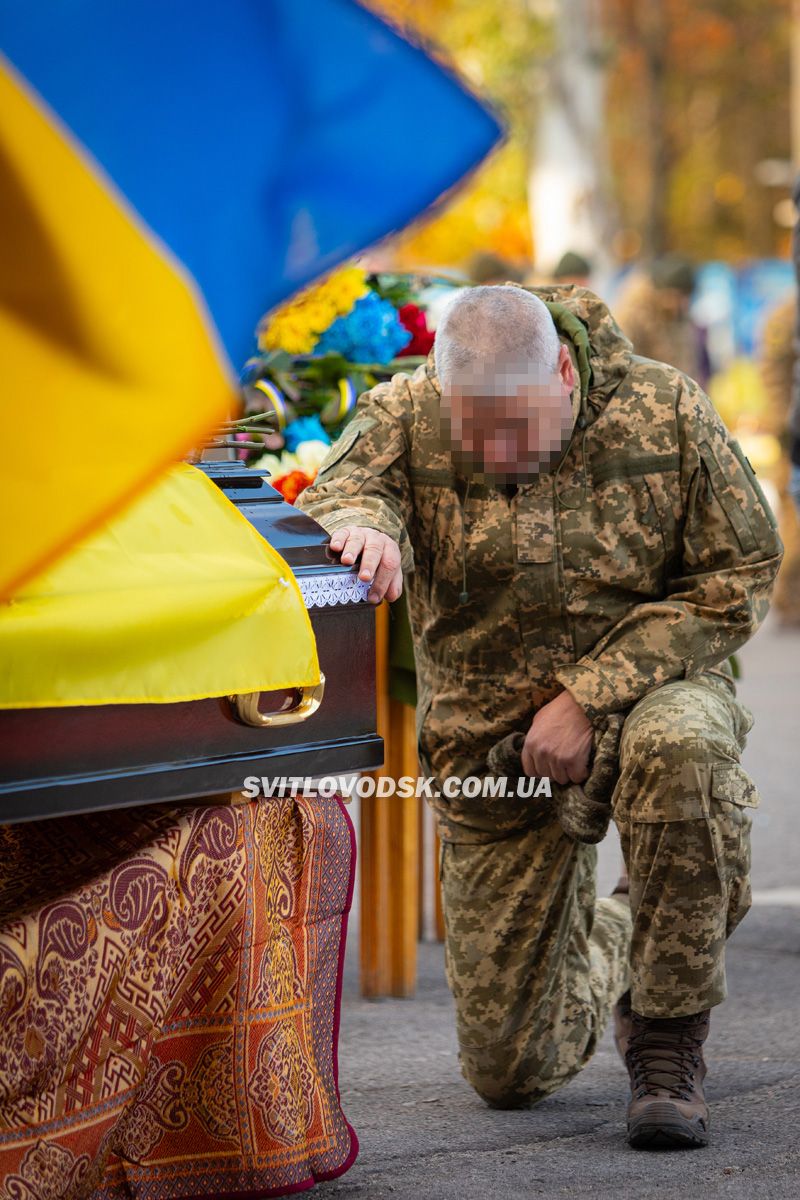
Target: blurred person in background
point(794, 410)
point(779, 360)
point(486, 267)
point(653, 309)
point(573, 268)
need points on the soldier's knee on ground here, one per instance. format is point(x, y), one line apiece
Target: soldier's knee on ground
point(542, 1056)
point(505, 1079)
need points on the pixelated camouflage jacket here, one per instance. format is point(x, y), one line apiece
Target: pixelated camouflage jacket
point(647, 555)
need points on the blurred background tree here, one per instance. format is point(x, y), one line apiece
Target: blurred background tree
point(496, 48)
point(639, 125)
point(698, 103)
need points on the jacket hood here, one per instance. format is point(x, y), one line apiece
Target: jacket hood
point(602, 351)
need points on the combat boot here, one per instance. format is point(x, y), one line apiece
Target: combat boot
point(664, 1057)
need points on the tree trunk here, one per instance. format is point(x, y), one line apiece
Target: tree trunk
point(569, 182)
point(652, 28)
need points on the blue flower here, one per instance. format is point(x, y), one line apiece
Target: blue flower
point(371, 332)
point(305, 429)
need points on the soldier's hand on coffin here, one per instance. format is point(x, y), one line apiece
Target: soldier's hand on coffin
point(380, 559)
point(559, 742)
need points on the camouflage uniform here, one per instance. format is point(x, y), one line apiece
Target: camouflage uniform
point(627, 575)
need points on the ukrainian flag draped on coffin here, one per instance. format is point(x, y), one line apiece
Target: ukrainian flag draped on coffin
point(168, 171)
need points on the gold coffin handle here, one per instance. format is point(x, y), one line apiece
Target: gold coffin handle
point(245, 706)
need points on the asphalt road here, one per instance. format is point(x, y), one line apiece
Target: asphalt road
point(424, 1134)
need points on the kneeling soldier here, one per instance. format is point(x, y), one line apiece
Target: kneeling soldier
point(583, 543)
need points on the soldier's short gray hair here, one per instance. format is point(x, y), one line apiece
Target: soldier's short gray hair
point(483, 328)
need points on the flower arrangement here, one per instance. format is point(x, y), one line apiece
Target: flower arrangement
point(295, 327)
point(316, 355)
point(371, 332)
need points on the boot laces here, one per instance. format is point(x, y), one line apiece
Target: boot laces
point(663, 1056)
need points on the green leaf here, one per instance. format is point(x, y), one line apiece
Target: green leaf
point(277, 360)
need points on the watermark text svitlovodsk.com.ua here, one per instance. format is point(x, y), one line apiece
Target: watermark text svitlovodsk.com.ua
point(527, 787)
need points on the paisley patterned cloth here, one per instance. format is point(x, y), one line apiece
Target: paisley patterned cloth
point(170, 982)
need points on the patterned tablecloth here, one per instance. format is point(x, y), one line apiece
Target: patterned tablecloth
point(170, 982)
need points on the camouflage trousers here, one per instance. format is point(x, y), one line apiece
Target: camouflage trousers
point(536, 962)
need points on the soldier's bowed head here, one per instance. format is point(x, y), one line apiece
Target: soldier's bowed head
point(507, 409)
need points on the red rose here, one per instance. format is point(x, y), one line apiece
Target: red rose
point(412, 318)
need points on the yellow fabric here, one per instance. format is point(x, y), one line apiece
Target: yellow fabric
point(177, 598)
point(110, 368)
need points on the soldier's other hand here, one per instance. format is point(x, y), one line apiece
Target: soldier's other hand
point(559, 742)
point(380, 559)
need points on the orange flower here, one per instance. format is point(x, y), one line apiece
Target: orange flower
point(291, 485)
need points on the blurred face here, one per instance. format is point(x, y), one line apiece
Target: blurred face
point(513, 428)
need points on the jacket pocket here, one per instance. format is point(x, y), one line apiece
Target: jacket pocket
point(744, 463)
point(731, 783)
point(748, 513)
point(618, 538)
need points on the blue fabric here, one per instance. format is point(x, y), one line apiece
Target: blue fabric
point(263, 141)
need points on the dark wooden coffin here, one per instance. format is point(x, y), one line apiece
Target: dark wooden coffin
point(68, 760)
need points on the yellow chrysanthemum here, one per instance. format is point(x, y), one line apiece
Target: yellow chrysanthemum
point(288, 333)
point(295, 327)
